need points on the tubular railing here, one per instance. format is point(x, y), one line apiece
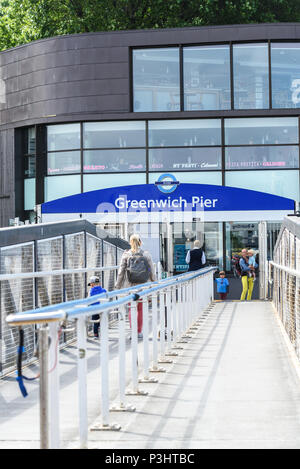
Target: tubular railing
point(24, 291)
point(285, 284)
point(172, 304)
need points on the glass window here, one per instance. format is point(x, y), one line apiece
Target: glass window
point(283, 183)
point(29, 166)
point(92, 182)
point(210, 177)
point(64, 162)
point(261, 130)
point(63, 137)
point(29, 194)
point(114, 134)
point(61, 186)
point(285, 72)
point(206, 78)
point(185, 159)
point(251, 78)
point(263, 157)
point(179, 133)
point(114, 160)
point(31, 144)
point(156, 80)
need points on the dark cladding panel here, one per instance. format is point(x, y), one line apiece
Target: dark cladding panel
point(7, 198)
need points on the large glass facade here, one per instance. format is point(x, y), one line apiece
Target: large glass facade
point(217, 77)
point(114, 134)
point(156, 80)
point(206, 77)
point(250, 74)
point(188, 132)
point(261, 131)
point(285, 71)
point(282, 183)
point(185, 159)
point(204, 151)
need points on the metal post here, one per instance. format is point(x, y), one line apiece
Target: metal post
point(262, 247)
point(169, 323)
point(134, 353)
point(162, 338)
point(155, 367)
point(104, 359)
point(146, 378)
point(54, 387)
point(44, 388)
point(122, 407)
point(82, 382)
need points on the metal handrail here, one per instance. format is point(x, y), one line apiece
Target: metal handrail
point(288, 270)
point(176, 302)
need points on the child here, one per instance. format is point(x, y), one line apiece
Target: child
point(95, 290)
point(222, 285)
point(252, 262)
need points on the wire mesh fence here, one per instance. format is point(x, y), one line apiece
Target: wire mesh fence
point(285, 278)
point(80, 255)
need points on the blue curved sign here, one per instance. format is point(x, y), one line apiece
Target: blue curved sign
point(148, 197)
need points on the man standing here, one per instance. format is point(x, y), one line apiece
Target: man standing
point(195, 257)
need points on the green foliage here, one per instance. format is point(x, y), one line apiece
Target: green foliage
point(22, 21)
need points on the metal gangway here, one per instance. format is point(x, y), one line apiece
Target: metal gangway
point(206, 374)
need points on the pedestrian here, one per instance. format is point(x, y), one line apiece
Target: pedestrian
point(195, 258)
point(246, 275)
point(136, 268)
point(96, 289)
point(222, 285)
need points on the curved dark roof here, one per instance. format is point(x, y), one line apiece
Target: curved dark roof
point(87, 76)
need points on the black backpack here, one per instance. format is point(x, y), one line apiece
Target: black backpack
point(236, 264)
point(138, 269)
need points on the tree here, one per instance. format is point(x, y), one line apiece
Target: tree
point(22, 21)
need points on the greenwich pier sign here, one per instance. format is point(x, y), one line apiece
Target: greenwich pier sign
point(168, 196)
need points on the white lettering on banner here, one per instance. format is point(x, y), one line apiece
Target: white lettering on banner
point(122, 203)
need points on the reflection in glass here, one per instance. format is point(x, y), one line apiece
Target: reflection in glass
point(185, 159)
point(156, 80)
point(64, 162)
point(63, 137)
point(263, 157)
point(114, 134)
point(31, 143)
point(259, 130)
point(114, 160)
point(29, 166)
point(240, 235)
point(285, 72)
point(278, 182)
point(29, 194)
point(209, 177)
point(206, 78)
point(61, 186)
point(93, 182)
point(179, 133)
point(251, 80)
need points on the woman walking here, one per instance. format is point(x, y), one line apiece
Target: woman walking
point(136, 268)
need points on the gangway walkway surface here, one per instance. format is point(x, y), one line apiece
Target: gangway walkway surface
point(233, 385)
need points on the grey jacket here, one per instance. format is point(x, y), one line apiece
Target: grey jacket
point(122, 280)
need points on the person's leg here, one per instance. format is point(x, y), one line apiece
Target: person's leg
point(96, 325)
point(140, 316)
point(223, 296)
point(250, 288)
point(245, 287)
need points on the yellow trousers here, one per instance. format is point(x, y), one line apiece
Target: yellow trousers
point(247, 286)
